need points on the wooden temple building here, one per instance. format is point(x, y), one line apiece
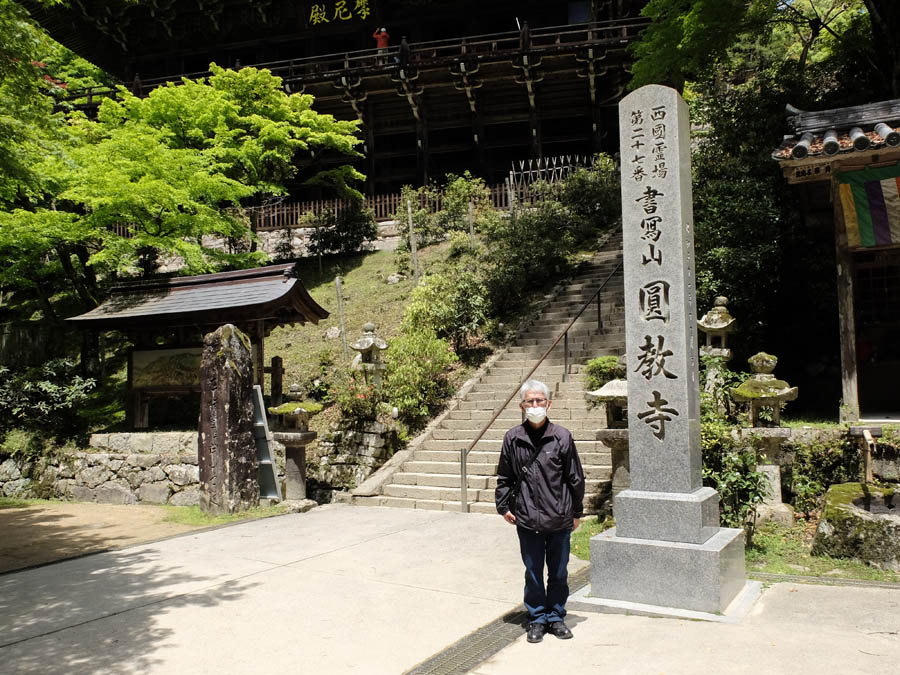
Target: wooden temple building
point(166, 319)
point(476, 88)
point(846, 165)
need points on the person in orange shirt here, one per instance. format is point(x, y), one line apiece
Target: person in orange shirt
point(381, 41)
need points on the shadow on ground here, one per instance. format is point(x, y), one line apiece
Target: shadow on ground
point(105, 618)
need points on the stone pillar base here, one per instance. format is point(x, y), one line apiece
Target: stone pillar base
point(701, 577)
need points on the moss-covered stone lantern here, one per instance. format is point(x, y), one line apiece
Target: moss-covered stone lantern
point(715, 327)
point(762, 389)
point(369, 360)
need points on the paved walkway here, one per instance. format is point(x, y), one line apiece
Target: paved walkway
point(373, 590)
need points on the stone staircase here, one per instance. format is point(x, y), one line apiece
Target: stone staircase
point(427, 476)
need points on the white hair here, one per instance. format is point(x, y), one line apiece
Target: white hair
point(534, 385)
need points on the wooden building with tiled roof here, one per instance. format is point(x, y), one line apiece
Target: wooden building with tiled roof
point(166, 319)
point(846, 164)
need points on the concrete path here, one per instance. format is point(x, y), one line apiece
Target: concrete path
point(374, 590)
point(792, 629)
point(337, 590)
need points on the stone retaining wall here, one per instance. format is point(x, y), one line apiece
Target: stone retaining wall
point(344, 458)
point(118, 469)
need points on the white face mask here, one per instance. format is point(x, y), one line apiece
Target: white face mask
point(536, 415)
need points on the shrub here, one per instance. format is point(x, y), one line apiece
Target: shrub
point(417, 378)
point(601, 370)
point(593, 196)
point(356, 399)
point(44, 399)
point(817, 466)
point(729, 464)
point(426, 222)
point(452, 306)
point(523, 252)
point(730, 467)
point(344, 231)
point(459, 192)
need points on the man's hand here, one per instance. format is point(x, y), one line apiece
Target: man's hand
point(575, 523)
point(509, 518)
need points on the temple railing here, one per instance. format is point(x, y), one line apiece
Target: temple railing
point(496, 46)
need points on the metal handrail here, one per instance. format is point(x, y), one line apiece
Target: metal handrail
point(464, 452)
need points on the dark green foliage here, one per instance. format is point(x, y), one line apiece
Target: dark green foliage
point(601, 370)
point(355, 398)
point(417, 376)
point(452, 305)
point(730, 467)
point(729, 464)
point(44, 399)
point(817, 466)
point(344, 231)
point(523, 252)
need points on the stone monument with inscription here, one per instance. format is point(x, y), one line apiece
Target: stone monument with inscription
point(667, 549)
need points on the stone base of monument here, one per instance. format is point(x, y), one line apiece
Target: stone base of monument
point(703, 577)
point(583, 601)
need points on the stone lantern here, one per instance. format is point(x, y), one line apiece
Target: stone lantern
point(369, 360)
point(715, 326)
point(763, 390)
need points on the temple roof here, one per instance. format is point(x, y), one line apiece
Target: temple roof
point(840, 132)
point(273, 294)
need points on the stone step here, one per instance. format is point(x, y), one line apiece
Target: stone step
point(492, 457)
point(494, 446)
point(412, 471)
point(511, 415)
point(490, 404)
point(429, 504)
point(449, 494)
point(582, 430)
point(472, 427)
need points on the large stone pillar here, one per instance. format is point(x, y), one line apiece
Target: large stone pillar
point(229, 475)
point(667, 548)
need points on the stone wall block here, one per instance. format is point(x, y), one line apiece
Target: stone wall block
point(80, 493)
point(115, 465)
point(134, 476)
point(154, 493)
point(97, 458)
point(9, 470)
point(66, 468)
point(98, 441)
point(20, 487)
point(94, 476)
point(187, 497)
point(143, 461)
point(182, 474)
point(115, 493)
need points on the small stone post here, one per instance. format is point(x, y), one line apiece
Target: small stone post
point(229, 479)
point(667, 549)
point(277, 388)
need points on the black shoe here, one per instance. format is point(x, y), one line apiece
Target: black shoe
point(536, 631)
point(560, 630)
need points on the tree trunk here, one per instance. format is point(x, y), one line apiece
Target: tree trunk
point(884, 15)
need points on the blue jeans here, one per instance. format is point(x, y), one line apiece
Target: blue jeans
point(545, 606)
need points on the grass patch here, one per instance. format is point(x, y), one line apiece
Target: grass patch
point(778, 549)
point(194, 516)
point(15, 503)
point(581, 537)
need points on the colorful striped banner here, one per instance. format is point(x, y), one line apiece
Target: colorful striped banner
point(870, 199)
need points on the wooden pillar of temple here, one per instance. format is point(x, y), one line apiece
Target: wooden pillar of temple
point(849, 409)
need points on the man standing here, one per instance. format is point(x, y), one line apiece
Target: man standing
point(540, 490)
point(381, 43)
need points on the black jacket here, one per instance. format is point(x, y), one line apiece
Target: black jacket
point(552, 490)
